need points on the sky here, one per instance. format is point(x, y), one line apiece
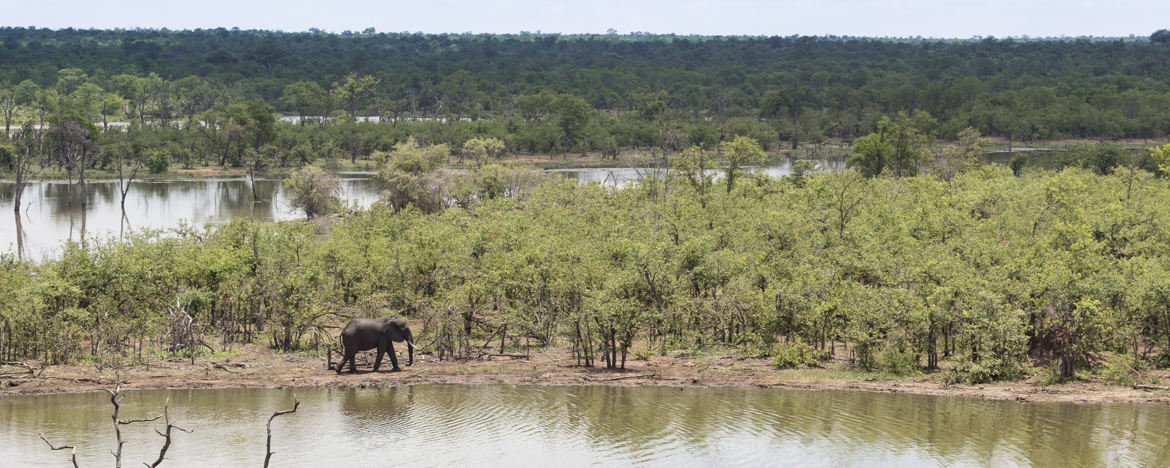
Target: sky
point(878, 18)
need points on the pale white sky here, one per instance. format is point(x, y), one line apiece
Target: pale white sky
point(929, 18)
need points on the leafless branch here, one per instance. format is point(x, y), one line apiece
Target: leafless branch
point(72, 449)
point(167, 436)
point(268, 456)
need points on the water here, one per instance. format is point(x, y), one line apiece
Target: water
point(499, 425)
point(51, 210)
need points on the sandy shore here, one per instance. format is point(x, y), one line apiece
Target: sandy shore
point(258, 367)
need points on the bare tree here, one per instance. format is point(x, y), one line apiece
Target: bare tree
point(7, 108)
point(24, 162)
point(72, 449)
point(116, 400)
point(75, 147)
point(268, 446)
point(162, 453)
point(123, 181)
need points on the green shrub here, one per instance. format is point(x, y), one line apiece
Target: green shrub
point(157, 161)
point(983, 371)
point(1123, 369)
point(898, 361)
point(790, 355)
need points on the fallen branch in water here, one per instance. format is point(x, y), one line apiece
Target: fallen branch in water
point(72, 449)
point(268, 456)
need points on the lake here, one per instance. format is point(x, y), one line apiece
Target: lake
point(51, 210)
point(504, 425)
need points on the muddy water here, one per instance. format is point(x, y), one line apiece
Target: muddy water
point(496, 425)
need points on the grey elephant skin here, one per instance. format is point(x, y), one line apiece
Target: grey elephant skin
point(363, 334)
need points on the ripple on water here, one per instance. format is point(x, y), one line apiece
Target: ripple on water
point(499, 425)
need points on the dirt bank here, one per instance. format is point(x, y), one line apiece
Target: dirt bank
point(257, 366)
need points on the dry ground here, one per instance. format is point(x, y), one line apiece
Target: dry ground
point(257, 366)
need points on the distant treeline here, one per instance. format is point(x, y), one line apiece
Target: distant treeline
point(693, 89)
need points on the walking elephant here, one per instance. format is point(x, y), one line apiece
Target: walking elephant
point(362, 334)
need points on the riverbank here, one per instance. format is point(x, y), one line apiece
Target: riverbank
point(257, 367)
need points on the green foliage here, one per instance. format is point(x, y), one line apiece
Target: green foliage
point(984, 371)
point(871, 155)
point(791, 354)
point(411, 175)
point(482, 150)
point(313, 191)
point(157, 161)
point(1161, 154)
point(986, 270)
point(1099, 158)
point(740, 152)
point(1123, 369)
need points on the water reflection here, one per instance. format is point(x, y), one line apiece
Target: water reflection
point(498, 425)
point(52, 211)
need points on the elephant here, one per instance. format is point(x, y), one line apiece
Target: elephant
point(362, 334)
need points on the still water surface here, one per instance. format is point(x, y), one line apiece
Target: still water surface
point(51, 211)
point(500, 425)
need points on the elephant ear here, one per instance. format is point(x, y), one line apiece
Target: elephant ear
point(392, 330)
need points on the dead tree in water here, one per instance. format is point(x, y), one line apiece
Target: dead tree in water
point(162, 453)
point(268, 445)
point(72, 449)
point(116, 400)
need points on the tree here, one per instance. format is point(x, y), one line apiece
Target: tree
point(74, 139)
point(354, 92)
point(908, 134)
point(7, 108)
point(1161, 154)
point(790, 101)
point(482, 149)
point(967, 150)
point(870, 155)
point(899, 144)
point(740, 152)
point(695, 166)
point(307, 98)
point(412, 175)
point(313, 191)
point(572, 115)
point(25, 141)
point(1161, 36)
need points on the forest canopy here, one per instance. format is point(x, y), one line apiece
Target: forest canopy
point(806, 88)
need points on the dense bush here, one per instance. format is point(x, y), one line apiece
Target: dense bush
point(986, 270)
point(791, 354)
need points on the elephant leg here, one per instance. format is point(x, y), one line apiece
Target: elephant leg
point(352, 364)
point(393, 357)
point(378, 359)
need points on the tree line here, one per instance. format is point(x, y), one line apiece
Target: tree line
point(640, 90)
